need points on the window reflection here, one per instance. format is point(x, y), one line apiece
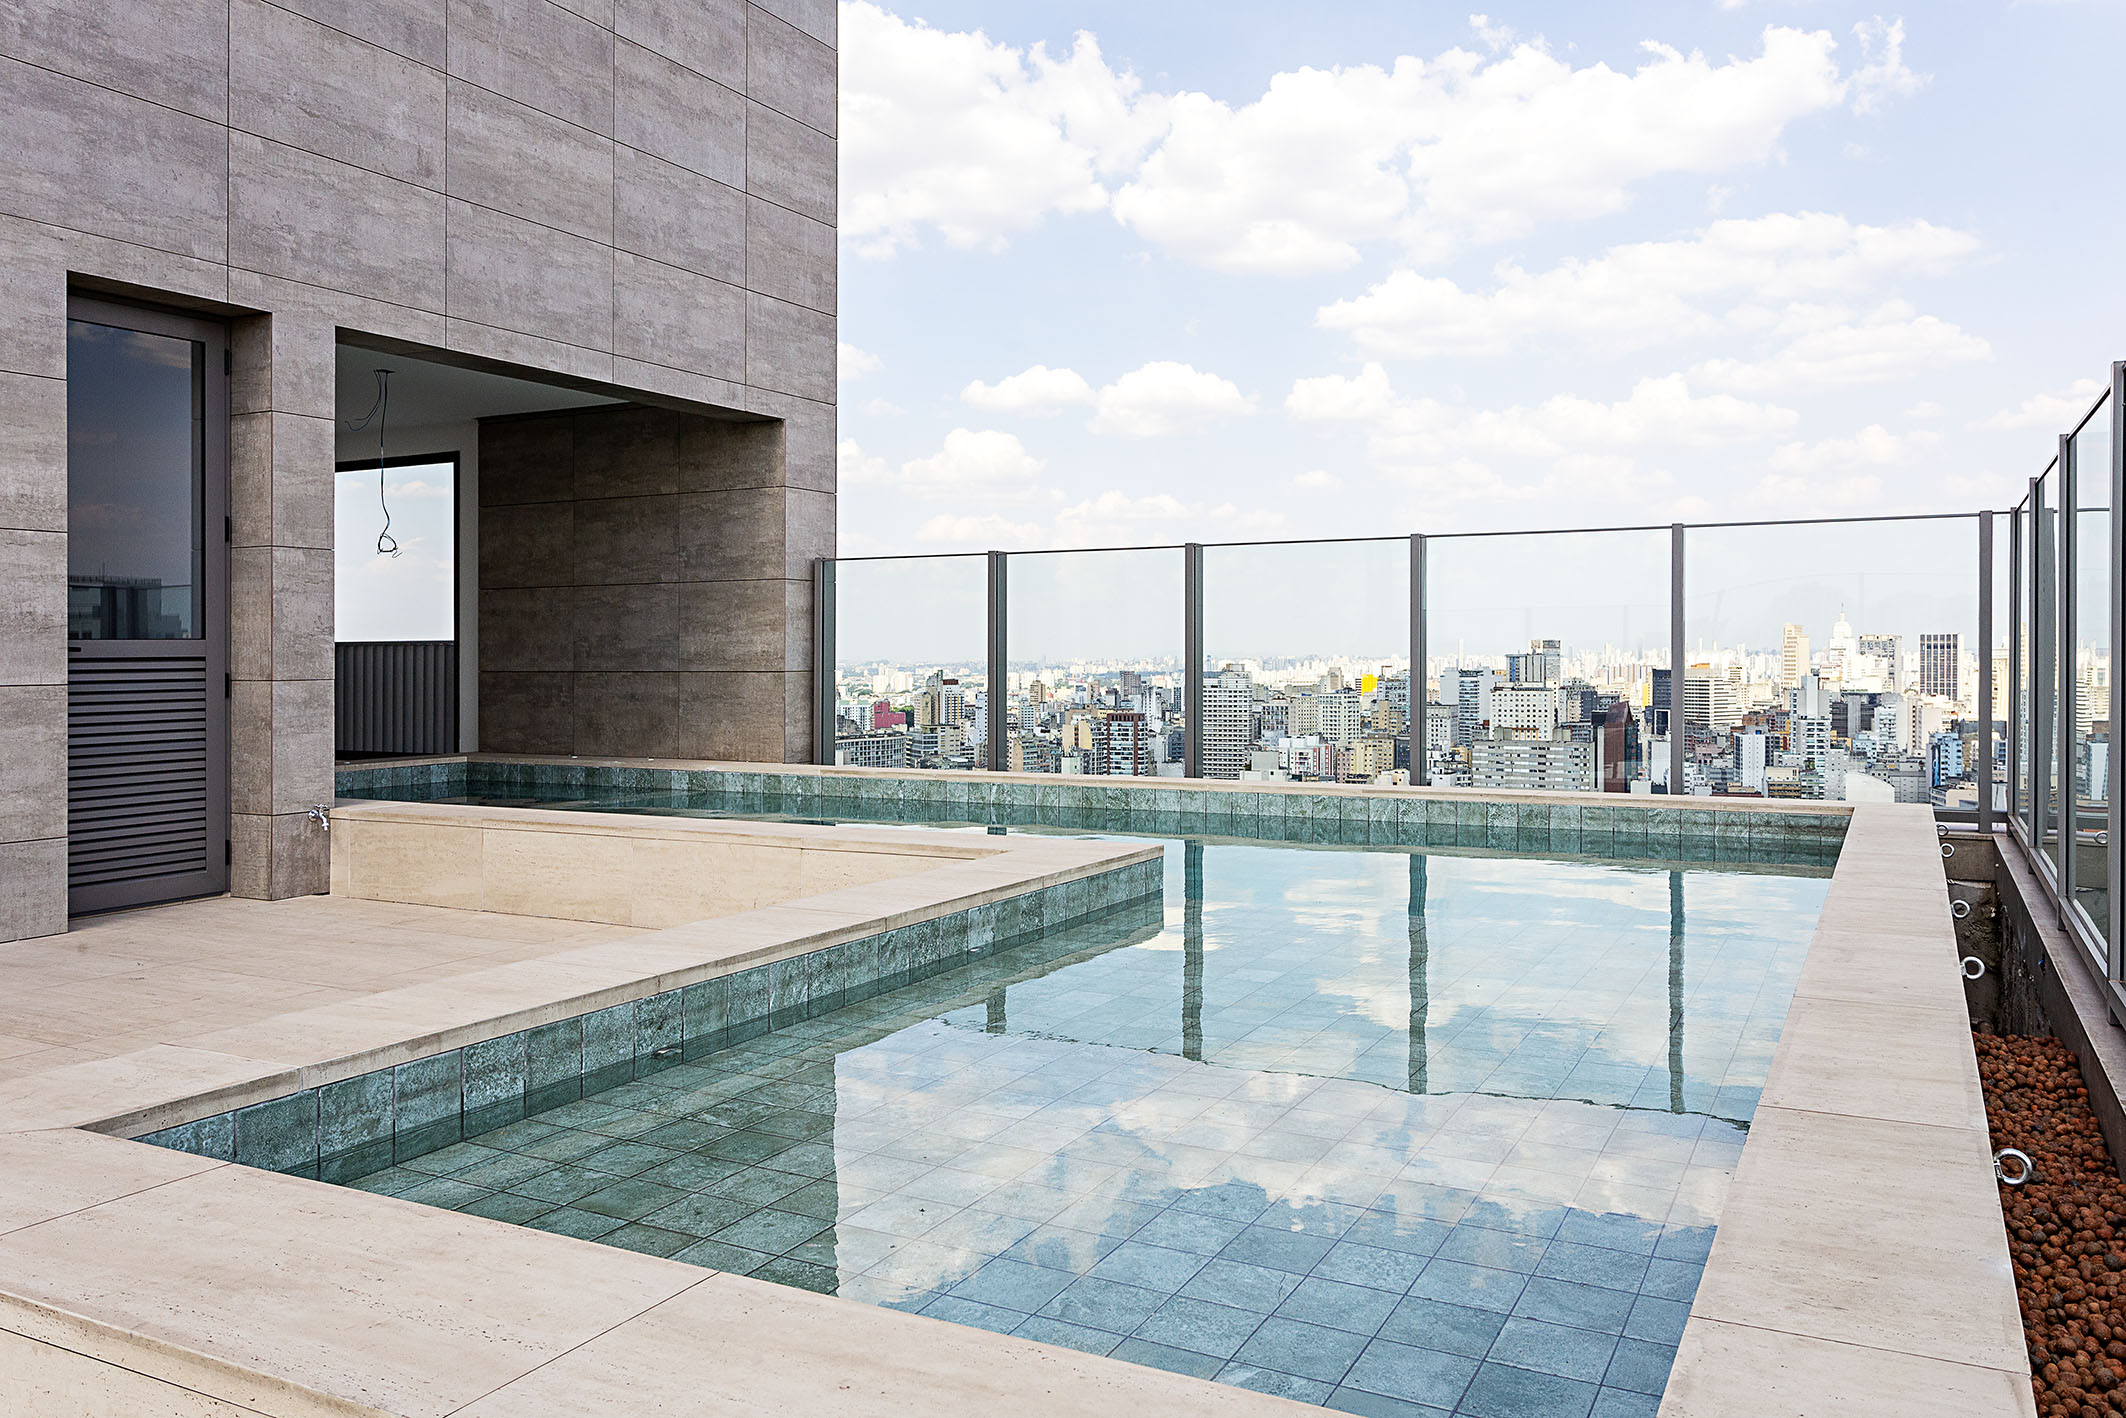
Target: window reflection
point(135, 467)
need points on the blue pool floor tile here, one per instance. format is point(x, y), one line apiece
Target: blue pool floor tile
point(1412, 1374)
point(1161, 1356)
point(1501, 1391)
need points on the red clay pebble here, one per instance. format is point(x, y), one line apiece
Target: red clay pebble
point(2066, 1225)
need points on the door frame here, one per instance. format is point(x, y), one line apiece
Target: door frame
point(215, 620)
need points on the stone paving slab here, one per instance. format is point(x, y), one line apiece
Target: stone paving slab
point(1861, 1265)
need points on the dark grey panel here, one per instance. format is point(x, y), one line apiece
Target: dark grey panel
point(396, 696)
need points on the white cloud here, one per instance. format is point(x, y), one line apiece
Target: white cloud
point(1494, 36)
point(1872, 447)
point(1435, 154)
point(956, 133)
point(1890, 343)
point(1317, 480)
point(970, 465)
point(987, 463)
point(976, 140)
point(1883, 75)
point(1156, 399)
point(856, 468)
point(1165, 397)
point(1800, 497)
point(986, 531)
point(1117, 518)
point(1037, 391)
point(852, 362)
point(1659, 412)
point(1645, 292)
point(2054, 413)
point(1367, 395)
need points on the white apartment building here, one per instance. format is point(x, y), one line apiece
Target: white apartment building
point(1524, 711)
point(1339, 717)
point(1557, 766)
point(1228, 722)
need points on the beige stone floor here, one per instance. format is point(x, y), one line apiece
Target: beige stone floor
point(170, 974)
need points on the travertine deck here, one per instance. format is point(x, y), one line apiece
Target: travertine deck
point(170, 974)
point(1861, 1265)
point(134, 1279)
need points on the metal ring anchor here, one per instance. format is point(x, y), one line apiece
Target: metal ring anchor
point(2025, 1171)
point(1973, 967)
point(1959, 909)
point(1948, 849)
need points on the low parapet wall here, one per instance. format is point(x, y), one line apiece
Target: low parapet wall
point(627, 870)
point(1861, 1265)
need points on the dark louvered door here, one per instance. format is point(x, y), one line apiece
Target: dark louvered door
point(147, 608)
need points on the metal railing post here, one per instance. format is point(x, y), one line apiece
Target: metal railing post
point(1192, 660)
point(824, 680)
point(2017, 648)
point(2067, 809)
point(1676, 667)
point(1984, 773)
point(1420, 751)
point(2044, 689)
point(996, 755)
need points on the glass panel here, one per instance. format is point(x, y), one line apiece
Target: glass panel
point(2089, 766)
point(1306, 661)
point(136, 468)
point(1547, 661)
point(394, 538)
point(911, 661)
point(1095, 640)
point(2025, 663)
point(1832, 660)
point(1996, 733)
point(2044, 664)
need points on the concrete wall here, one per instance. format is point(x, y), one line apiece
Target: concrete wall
point(644, 587)
point(633, 195)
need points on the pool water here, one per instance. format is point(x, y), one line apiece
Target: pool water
point(1384, 1130)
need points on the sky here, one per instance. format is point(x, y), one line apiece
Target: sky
point(1129, 274)
point(403, 589)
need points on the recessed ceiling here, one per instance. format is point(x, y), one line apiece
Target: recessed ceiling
point(423, 392)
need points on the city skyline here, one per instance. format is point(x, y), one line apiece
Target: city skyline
point(1829, 711)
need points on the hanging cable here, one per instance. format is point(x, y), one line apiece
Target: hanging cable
point(386, 544)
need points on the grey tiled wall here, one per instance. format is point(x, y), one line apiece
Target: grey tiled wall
point(1627, 831)
point(351, 1128)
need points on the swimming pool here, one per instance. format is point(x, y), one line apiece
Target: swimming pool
point(1384, 1129)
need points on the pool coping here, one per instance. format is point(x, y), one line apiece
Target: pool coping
point(1861, 1264)
point(338, 1301)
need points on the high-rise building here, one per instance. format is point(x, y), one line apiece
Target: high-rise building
point(1524, 711)
point(1368, 757)
point(1469, 691)
point(1711, 699)
point(1539, 765)
point(1543, 664)
point(871, 750)
point(1940, 665)
point(1228, 722)
point(1121, 745)
point(1339, 717)
point(1793, 655)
